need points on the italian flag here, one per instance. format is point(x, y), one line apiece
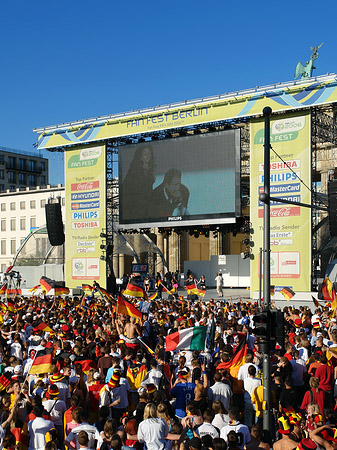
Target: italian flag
point(187, 339)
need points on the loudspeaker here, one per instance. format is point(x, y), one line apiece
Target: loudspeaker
point(54, 223)
point(332, 196)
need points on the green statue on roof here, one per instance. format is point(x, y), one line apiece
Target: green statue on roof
point(305, 71)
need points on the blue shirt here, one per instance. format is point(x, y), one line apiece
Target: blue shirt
point(184, 393)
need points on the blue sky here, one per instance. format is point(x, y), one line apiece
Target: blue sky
point(69, 60)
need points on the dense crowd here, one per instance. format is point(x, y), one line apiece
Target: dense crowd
point(111, 383)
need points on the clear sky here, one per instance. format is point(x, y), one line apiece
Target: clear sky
point(69, 60)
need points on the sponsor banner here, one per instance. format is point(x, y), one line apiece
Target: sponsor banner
point(85, 195)
point(282, 188)
point(283, 97)
point(290, 234)
point(85, 214)
point(291, 198)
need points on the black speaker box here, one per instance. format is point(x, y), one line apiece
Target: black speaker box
point(54, 223)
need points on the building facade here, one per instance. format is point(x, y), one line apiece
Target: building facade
point(22, 211)
point(19, 169)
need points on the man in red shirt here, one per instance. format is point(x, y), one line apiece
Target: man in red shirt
point(324, 373)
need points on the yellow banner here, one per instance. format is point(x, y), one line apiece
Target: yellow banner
point(290, 225)
point(85, 215)
point(280, 97)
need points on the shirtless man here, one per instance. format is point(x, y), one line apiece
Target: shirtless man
point(287, 441)
point(131, 329)
point(327, 444)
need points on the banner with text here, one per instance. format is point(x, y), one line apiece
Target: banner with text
point(248, 103)
point(290, 225)
point(85, 214)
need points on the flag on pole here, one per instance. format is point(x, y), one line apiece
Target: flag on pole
point(133, 290)
point(192, 289)
point(124, 307)
point(87, 289)
point(3, 288)
point(153, 296)
point(167, 290)
point(42, 361)
point(325, 290)
point(315, 301)
point(187, 339)
point(34, 289)
point(287, 293)
point(47, 284)
point(238, 357)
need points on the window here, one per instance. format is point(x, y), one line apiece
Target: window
point(63, 201)
point(2, 174)
point(13, 224)
point(43, 166)
point(3, 206)
point(13, 246)
point(2, 187)
point(3, 268)
point(42, 204)
point(22, 178)
point(22, 164)
point(2, 159)
point(11, 177)
point(11, 162)
point(32, 180)
point(12, 206)
point(32, 204)
point(32, 166)
point(22, 205)
point(32, 222)
point(42, 179)
point(22, 223)
point(12, 188)
point(3, 247)
point(3, 224)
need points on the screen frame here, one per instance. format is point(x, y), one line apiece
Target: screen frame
point(200, 219)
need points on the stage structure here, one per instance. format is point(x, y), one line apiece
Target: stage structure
point(209, 150)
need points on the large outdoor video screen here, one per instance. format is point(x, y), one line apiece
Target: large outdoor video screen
point(180, 181)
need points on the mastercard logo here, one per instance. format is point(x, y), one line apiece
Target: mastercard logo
point(75, 206)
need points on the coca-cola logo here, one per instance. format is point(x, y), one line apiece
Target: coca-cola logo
point(285, 211)
point(280, 212)
point(85, 186)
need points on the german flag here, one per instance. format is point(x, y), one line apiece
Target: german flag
point(46, 284)
point(86, 363)
point(34, 288)
point(192, 289)
point(42, 361)
point(43, 327)
point(11, 307)
point(124, 307)
point(136, 374)
point(167, 290)
point(105, 293)
point(5, 380)
point(237, 360)
point(153, 296)
point(315, 301)
point(133, 290)
point(61, 291)
point(201, 293)
point(272, 290)
point(3, 288)
point(326, 290)
point(87, 289)
point(287, 293)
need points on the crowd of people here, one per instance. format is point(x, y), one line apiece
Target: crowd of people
point(111, 384)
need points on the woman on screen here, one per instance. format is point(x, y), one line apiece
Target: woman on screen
point(137, 185)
